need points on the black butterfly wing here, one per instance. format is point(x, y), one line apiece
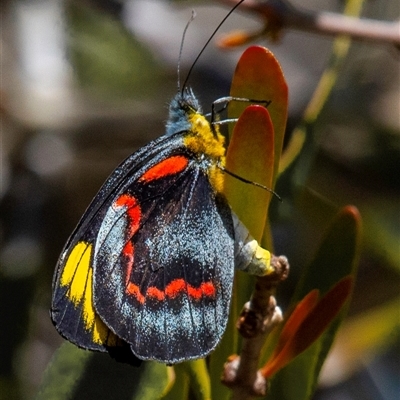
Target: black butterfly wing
point(164, 264)
point(151, 261)
point(72, 309)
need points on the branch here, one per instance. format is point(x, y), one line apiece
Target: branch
point(257, 319)
point(280, 14)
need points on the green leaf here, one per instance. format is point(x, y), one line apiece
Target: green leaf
point(251, 156)
point(63, 373)
point(336, 258)
point(180, 388)
point(151, 381)
point(76, 373)
point(193, 374)
point(199, 379)
point(337, 255)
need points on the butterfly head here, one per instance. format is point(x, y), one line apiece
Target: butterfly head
point(182, 107)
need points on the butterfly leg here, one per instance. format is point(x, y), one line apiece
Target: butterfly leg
point(225, 102)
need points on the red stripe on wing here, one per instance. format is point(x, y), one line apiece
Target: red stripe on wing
point(172, 290)
point(169, 166)
point(134, 213)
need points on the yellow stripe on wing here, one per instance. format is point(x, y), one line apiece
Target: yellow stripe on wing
point(78, 276)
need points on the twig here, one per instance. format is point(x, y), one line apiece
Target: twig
point(280, 14)
point(257, 319)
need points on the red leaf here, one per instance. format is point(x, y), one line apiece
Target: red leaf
point(299, 314)
point(251, 156)
point(259, 76)
point(310, 326)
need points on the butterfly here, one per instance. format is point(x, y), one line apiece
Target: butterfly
point(148, 272)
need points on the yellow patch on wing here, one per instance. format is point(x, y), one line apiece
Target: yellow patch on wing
point(202, 140)
point(75, 273)
point(78, 276)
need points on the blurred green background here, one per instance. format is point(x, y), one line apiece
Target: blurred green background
point(85, 83)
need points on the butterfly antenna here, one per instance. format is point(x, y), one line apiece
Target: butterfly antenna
point(209, 40)
point(193, 16)
point(222, 168)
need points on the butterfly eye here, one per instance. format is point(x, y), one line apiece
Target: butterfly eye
point(186, 107)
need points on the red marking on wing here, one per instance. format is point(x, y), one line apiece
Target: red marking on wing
point(129, 251)
point(132, 209)
point(173, 290)
point(134, 214)
point(196, 293)
point(170, 166)
point(208, 289)
point(125, 200)
point(134, 290)
point(158, 294)
point(175, 287)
